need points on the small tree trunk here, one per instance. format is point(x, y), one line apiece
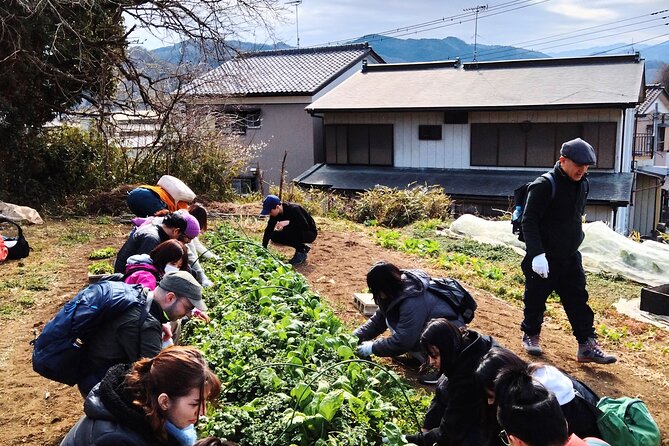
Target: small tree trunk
point(283, 171)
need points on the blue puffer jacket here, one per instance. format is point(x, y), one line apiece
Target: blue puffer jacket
point(406, 315)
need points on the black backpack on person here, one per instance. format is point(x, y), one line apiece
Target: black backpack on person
point(456, 296)
point(519, 200)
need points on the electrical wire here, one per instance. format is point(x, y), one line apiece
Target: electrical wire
point(439, 23)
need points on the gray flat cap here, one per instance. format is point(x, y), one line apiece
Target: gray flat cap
point(579, 151)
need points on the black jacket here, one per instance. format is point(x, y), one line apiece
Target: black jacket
point(121, 340)
point(300, 221)
point(111, 419)
point(142, 240)
point(554, 225)
point(465, 399)
point(407, 315)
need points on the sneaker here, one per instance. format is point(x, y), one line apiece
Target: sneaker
point(532, 345)
point(429, 378)
point(298, 258)
point(590, 351)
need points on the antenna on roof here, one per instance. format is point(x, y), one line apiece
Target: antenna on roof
point(476, 9)
point(296, 3)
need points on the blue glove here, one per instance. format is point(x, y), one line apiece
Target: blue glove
point(365, 349)
point(516, 214)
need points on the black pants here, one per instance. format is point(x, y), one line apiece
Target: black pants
point(292, 238)
point(567, 278)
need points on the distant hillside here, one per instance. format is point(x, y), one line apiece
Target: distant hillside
point(193, 55)
point(656, 55)
point(425, 50)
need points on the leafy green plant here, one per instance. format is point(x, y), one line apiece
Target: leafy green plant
point(103, 253)
point(388, 238)
point(612, 334)
point(101, 267)
point(287, 364)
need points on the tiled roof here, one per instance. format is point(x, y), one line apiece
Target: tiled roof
point(281, 72)
point(537, 83)
point(653, 92)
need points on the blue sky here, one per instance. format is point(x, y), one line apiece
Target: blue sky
point(545, 25)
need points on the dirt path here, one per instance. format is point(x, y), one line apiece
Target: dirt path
point(35, 411)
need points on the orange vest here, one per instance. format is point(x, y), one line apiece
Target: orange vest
point(167, 198)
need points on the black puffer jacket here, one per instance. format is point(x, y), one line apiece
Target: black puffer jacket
point(407, 315)
point(141, 241)
point(111, 419)
point(553, 225)
point(463, 398)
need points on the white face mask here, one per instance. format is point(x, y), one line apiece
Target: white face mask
point(169, 268)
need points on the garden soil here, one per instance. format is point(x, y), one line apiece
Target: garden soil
point(36, 411)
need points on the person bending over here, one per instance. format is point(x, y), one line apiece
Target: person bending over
point(530, 415)
point(406, 306)
point(155, 401)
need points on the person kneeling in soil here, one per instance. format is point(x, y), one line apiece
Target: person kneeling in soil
point(456, 352)
point(406, 306)
point(151, 402)
point(289, 224)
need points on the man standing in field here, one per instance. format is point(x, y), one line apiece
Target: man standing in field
point(552, 227)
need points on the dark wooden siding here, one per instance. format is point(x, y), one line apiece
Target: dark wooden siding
point(538, 145)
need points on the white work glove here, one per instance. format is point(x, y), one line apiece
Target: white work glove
point(540, 265)
point(365, 349)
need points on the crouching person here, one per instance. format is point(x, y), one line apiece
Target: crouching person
point(406, 306)
point(289, 224)
point(154, 401)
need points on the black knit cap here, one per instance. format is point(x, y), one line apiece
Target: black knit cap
point(579, 151)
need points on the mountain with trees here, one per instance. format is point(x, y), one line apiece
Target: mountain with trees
point(395, 50)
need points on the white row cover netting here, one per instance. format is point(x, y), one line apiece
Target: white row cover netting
point(603, 249)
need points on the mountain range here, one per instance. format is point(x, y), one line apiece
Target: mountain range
point(419, 50)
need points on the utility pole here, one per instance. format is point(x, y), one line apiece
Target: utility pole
point(476, 10)
point(296, 3)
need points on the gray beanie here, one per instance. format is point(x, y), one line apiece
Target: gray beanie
point(579, 151)
point(183, 284)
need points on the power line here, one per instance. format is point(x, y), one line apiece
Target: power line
point(542, 47)
point(456, 19)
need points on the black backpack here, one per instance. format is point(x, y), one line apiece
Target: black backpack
point(21, 248)
point(456, 296)
point(58, 352)
point(519, 200)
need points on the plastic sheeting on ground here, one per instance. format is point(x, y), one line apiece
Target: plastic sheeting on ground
point(18, 213)
point(603, 249)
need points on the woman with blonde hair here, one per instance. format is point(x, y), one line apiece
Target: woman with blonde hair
point(154, 401)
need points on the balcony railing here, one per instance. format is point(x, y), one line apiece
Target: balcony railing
point(643, 145)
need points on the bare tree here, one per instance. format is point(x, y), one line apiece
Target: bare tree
point(73, 56)
point(663, 77)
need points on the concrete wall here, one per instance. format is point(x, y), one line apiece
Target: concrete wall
point(285, 128)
